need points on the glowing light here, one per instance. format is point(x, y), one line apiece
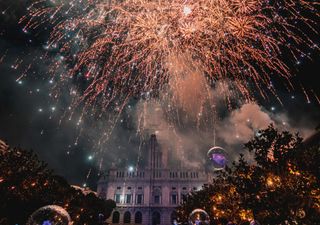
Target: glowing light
point(199, 216)
point(217, 157)
point(51, 214)
point(246, 215)
point(46, 222)
point(186, 10)
point(131, 168)
point(270, 182)
point(273, 181)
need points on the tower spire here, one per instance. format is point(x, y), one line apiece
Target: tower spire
point(155, 155)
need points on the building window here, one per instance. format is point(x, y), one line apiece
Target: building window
point(174, 199)
point(157, 199)
point(156, 194)
point(156, 218)
point(128, 198)
point(117, 198)
point(139, 188)
point(127, 217)
point(184, 188)
point(118, 188)
point(116, 217)
point(174, 188)
point(129, 188)
point(138, 218)
point(139, 198)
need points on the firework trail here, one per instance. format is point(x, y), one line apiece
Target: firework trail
point(134, 48)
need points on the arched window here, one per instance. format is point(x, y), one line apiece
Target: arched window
point(156, 220)
point(138, 217)
point(116, 217)
point(127, 217)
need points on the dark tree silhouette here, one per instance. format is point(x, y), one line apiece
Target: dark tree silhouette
point(280, 187)
point(27, 184)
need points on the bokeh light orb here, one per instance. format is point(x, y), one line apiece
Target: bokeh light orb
point(199, 217)
point(50, 215)
point(217, 157)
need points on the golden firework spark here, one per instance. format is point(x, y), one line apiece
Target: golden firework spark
point(137, 47)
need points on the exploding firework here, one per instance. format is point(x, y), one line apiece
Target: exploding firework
point(134, 48)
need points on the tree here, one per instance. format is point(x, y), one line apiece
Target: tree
point(27, 184)
point(280, 187)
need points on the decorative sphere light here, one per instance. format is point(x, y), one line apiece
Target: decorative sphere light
point(50, 215)
point(199, 217)
point(217, 157)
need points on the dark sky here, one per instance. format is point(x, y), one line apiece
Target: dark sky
point(30, 118)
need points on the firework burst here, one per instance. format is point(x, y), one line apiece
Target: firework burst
point(129, 48)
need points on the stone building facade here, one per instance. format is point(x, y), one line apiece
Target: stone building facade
point(148, 196)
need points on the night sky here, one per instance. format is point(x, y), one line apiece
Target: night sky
point(30, 117)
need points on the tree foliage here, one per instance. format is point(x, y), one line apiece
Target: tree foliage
point(27, 184)
point(280, 187)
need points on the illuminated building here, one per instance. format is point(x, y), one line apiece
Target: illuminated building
point(149, 195)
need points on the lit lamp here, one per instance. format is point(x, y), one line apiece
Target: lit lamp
point(131, 168)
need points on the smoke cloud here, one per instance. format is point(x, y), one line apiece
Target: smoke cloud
point(243, 123)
